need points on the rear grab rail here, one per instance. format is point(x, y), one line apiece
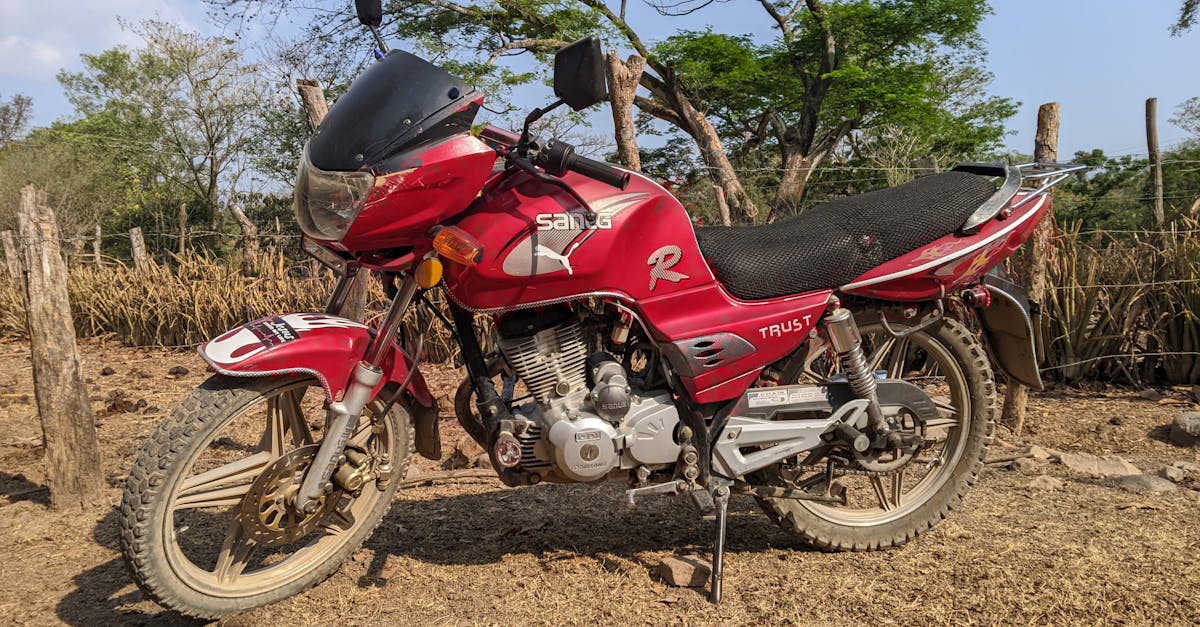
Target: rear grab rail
point(1041, 177)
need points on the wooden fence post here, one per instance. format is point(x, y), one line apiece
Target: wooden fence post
point(73, 471)
point(722, 205)
point(924, 166)
point(1037, 250)
point(137, 245)
point(312, 100)
point(1160, 216)
point(182, 228)
point(96, 246)
point(249, 239)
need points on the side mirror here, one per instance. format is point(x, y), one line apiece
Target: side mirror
point(370, 12)
point(579, 77)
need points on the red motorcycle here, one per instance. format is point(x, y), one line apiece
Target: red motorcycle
point(823, 365)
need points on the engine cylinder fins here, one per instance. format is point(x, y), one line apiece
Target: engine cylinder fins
point(551, 361)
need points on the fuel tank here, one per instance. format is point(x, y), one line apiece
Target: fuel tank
point(539, 245)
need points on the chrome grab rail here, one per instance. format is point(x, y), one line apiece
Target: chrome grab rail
point(1045, 174)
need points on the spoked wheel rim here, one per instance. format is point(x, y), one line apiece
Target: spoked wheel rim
point(920, 359)
point(231, 563)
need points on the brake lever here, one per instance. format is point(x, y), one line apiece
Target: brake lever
point(527, 166)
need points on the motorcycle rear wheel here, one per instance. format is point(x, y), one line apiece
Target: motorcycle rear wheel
point(945, 358)
point(230, 452)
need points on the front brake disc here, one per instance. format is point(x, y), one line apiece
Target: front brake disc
point(266, 513)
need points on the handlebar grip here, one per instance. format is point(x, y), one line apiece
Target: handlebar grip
point(599, 171)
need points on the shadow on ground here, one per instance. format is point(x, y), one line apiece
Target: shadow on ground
point(548, 521)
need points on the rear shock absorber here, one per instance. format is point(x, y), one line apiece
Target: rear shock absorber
point(846, 340)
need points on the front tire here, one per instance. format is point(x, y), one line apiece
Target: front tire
point(181, 532)
point(951, 350)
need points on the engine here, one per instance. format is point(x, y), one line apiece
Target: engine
point(586, 420)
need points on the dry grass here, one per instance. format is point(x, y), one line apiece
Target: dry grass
point(193, 298)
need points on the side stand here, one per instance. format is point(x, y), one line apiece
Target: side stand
point(721, 500)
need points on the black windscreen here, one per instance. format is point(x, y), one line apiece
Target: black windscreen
point(389, 106)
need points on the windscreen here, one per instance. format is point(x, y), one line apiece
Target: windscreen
point(399, 101)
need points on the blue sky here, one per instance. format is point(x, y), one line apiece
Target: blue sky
point(1100, 59)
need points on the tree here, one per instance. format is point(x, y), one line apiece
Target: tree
point(838, 67)
point(1189, 10)
point(194, 96)
point(14, 117)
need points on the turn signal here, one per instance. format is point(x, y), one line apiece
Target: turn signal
point(457, 245)
point(429, 273)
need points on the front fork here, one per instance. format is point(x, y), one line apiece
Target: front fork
point(342, 416)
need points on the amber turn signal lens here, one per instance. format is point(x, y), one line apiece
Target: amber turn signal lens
point(458, 246)
point(429, 273)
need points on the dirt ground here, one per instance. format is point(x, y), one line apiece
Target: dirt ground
point(474, 552)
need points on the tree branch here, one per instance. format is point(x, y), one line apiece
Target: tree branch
point(657, 110)
point(525, 44)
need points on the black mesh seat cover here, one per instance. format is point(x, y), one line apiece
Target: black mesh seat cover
point(831, 244)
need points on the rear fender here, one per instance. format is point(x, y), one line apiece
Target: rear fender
point(324, 346)
point(1008, 324)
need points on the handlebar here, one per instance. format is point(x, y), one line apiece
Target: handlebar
point(558, 157)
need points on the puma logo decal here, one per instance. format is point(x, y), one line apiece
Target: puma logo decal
point(564, 259)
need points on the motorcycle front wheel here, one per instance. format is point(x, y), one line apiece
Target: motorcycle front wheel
point(206, 526)
point(891, 498)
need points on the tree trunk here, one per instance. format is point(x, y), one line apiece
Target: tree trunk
point(1033, 268)
point(137, 248)
point(96, 246)
point(312, 100)
point(249, 239)
point(713, 153)
point(73, 471)
point(623, 78)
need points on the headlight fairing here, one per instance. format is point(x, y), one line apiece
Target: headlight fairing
point(326, 203)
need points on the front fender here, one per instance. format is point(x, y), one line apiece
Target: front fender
point(324, 346)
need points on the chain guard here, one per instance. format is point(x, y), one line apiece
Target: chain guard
point(266, 513)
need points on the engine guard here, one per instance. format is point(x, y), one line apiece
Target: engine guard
point(1008, 325)
point(326, 347)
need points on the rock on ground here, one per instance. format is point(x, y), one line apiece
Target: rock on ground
point(1173, 474)
point(1043, 454)
point(1145, 484)
point(1047, 483)
point(688, 571)
point(1107, 466)
point(1185, 430)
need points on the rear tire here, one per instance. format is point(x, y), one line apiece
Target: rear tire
point(153, 545)
point(821, 526)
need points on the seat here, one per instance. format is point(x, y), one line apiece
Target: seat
point(833, 243)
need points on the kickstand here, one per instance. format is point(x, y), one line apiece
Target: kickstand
point(721, 500)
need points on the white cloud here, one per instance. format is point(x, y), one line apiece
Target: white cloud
point(38, 39)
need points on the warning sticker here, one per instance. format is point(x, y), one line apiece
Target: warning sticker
point(768, 397)
point(785, 396)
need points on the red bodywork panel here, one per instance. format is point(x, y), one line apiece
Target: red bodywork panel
point(321, 345)
point(430, 185)
point(953, 262)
